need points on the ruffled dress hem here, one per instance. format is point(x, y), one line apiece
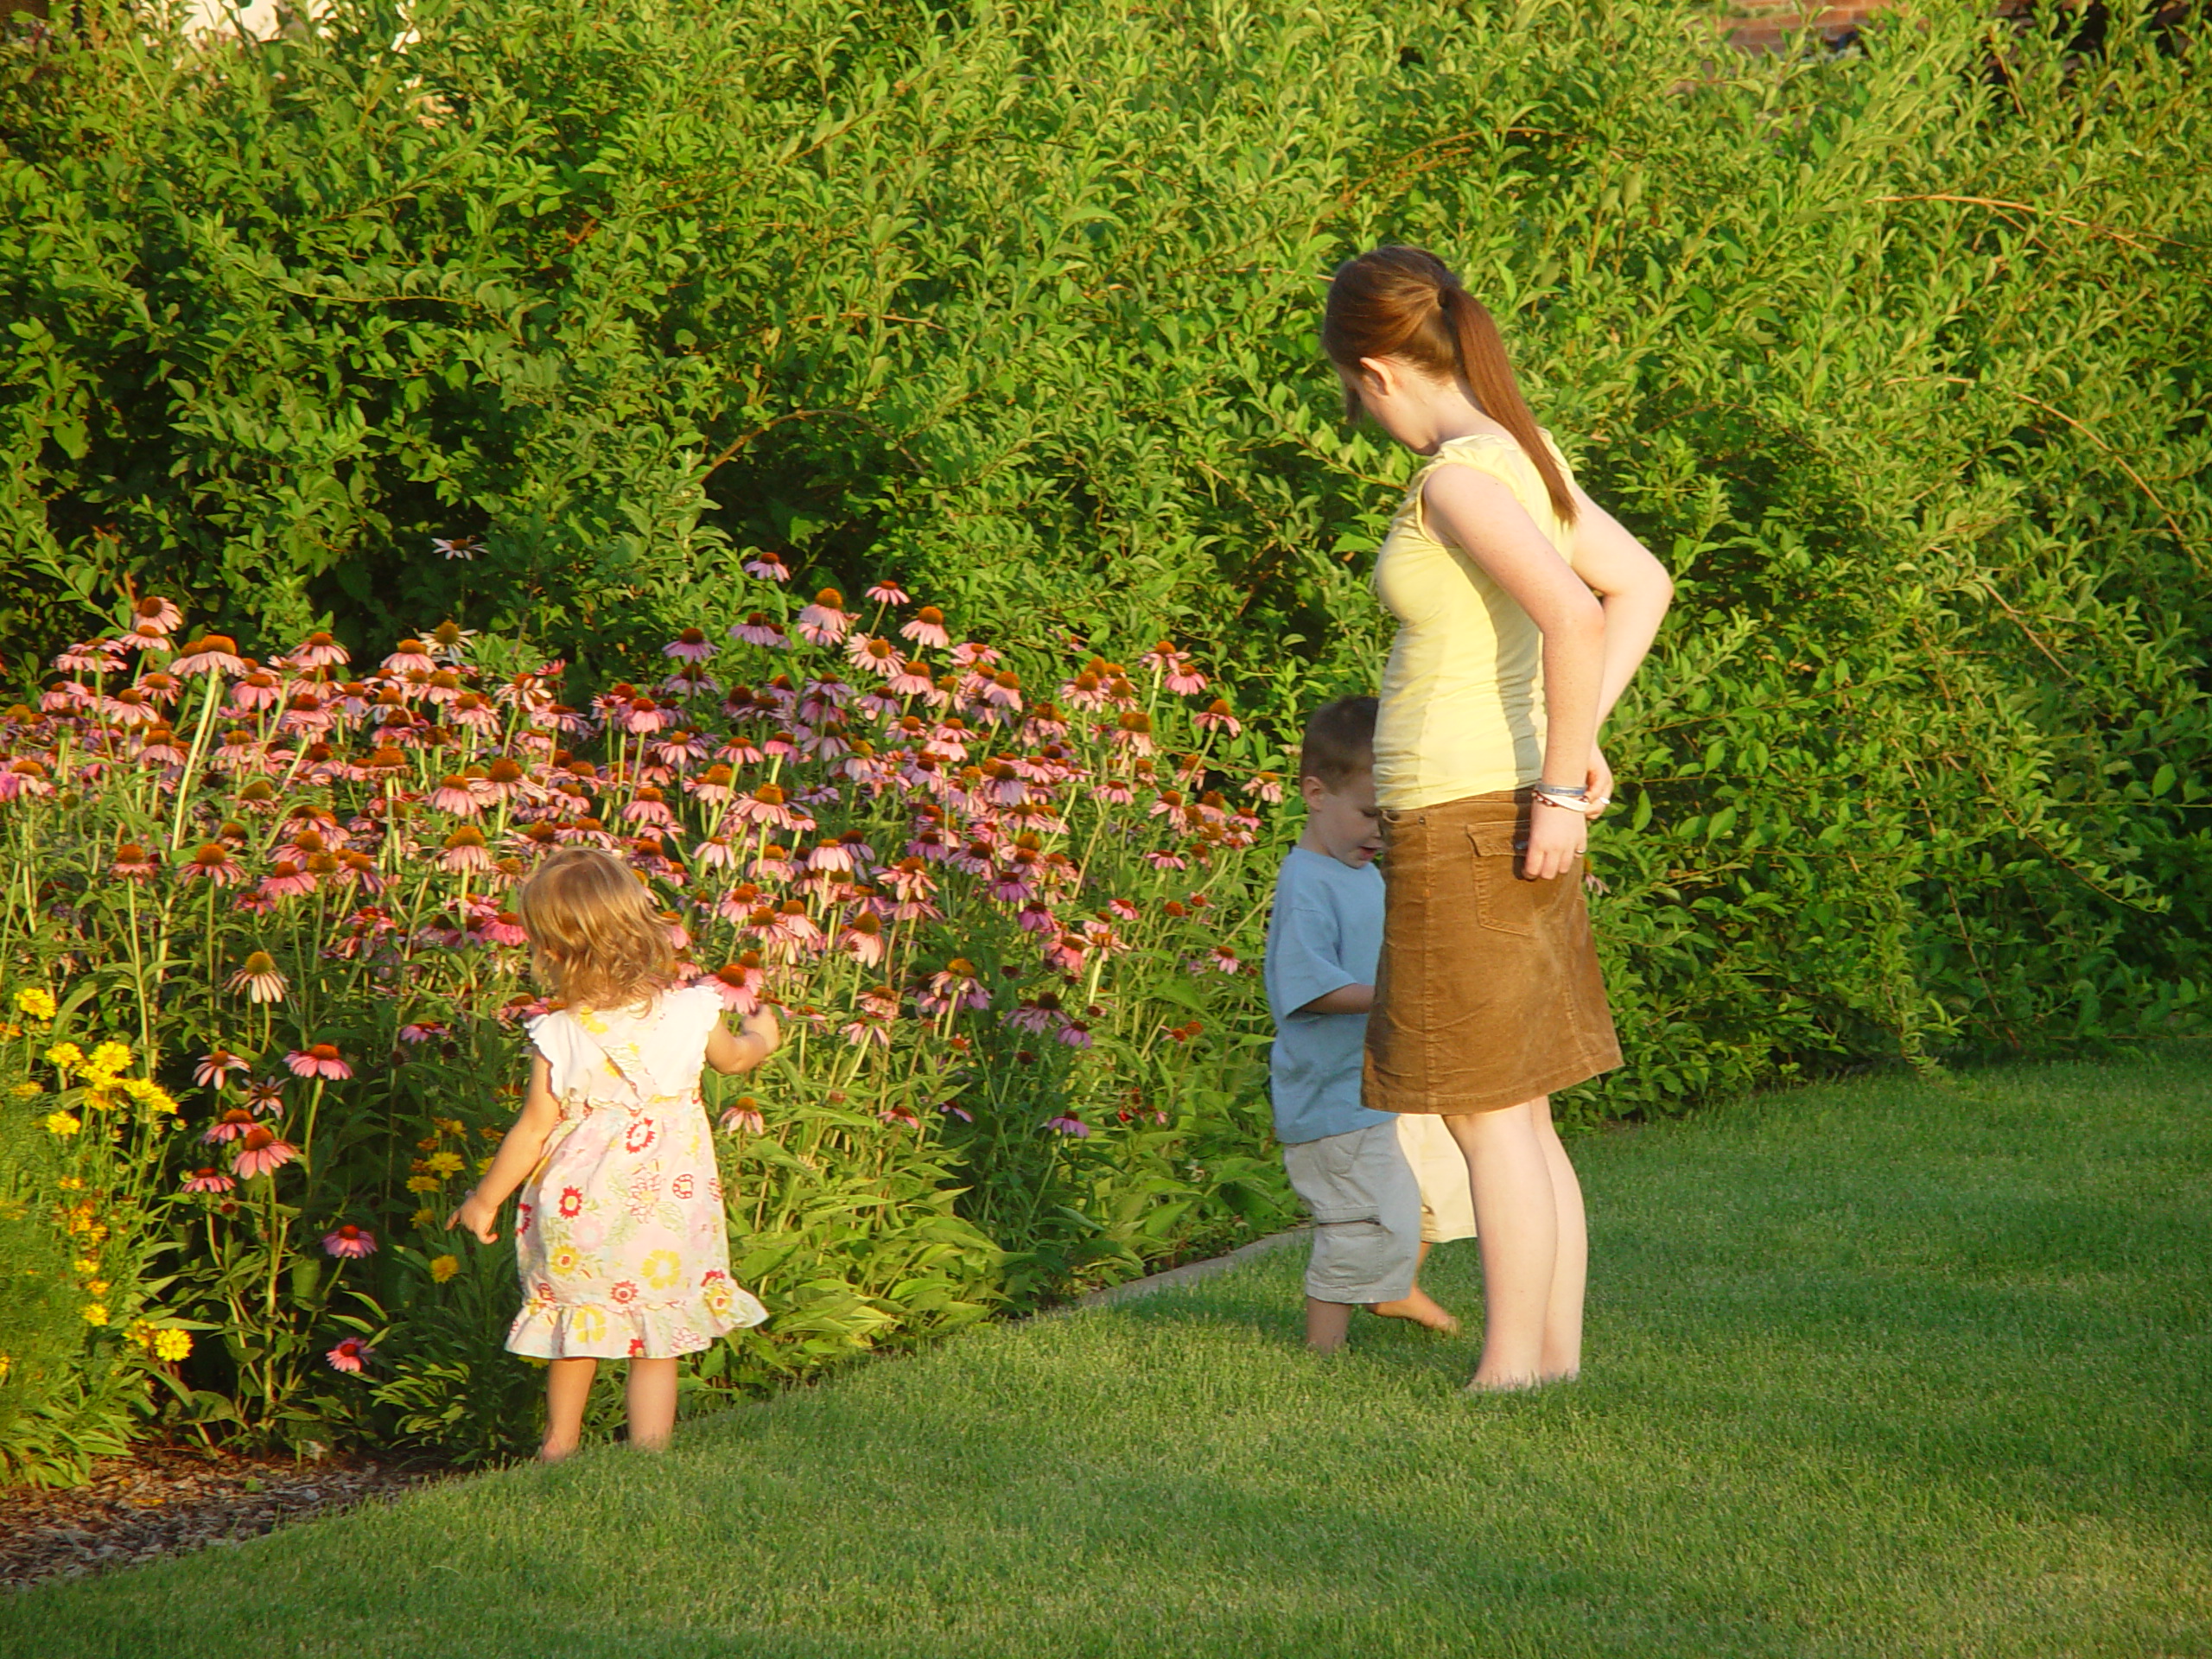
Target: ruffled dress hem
point(548, 1330)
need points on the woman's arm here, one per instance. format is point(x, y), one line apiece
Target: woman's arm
point(517, 1155)
point(1633, 586)
point(1476, 513)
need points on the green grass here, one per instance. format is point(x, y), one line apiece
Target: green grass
point(1882, 1367)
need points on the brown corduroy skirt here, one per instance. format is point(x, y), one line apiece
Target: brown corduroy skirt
point(1488, 992)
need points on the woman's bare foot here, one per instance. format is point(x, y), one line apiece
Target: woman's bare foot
point(1420, 1310)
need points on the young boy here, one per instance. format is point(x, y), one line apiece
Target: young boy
point(1382, 1186)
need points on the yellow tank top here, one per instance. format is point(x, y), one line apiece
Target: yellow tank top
point(1462, 707)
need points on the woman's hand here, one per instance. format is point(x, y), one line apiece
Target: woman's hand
point(1600, 780)
point(1557, 836)
point(479, 1217)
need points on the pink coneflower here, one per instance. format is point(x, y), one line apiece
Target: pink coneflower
point(1003, 689)
point(260, 979)
point(229, 1127)
point(874, 653)
point(712, 786)
point(465, 851)
point(453, 795)
point(1068, 1124)
point(650, 807)
point(503, 927)
point(641, 715)
point(128, 706)
point(349, 1355)
point(1073, 1032)
point(1167, 860)
point(208, 1180)
point(266, 1096)
point(863, 937)
point(825, 621)
point(768, 568)
point(260, 1152)
point(1268, 785)
point(133, 862)
point(912, 680)
point(319, 1060)
point(744, 1116)
point(739, 983)
point(156, 614)
point(764, 805)
point(24, 778)
point(318, 649)
point(256, 691)
point(887, 592)
point(760, 629)
point(91, 656)
point(411, 657)
point(213, 862)
point(1217, 717)
point(1132, 732)
point(212, 653)
point(951, 1110)
point(287, 880)
point(1034, 917)
point(350, 1241)
point(689, 646)
point(215, 1067)
point(456, 547)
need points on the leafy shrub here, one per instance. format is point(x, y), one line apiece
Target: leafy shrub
point(1006, 932)
point(1883, 353)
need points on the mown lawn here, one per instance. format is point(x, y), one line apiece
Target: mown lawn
point(1883, 1368)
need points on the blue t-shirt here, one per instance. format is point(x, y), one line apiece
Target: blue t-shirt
point(1327, 932)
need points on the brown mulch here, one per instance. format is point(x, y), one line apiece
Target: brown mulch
point(166, 1501)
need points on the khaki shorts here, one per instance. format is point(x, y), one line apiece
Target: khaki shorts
point(1366, 1208)
point(1447, 1198)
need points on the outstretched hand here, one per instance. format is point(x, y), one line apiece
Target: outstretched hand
point(478, 1217)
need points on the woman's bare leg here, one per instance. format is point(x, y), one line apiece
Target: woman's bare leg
point(1517, 1226)
point(651, 1400)
point(1562, 1354)
point(568, 1385)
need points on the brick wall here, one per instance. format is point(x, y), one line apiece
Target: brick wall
point(1764, 22)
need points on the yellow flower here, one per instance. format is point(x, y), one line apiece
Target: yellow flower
point(421, 1183)
point(445, 1163)
point(660, 1269)
point(10, 1030)
point(149, 1094)
point(86, 1264)
point(71, 1184)
point(7, 1364)
point(96, 1288)
point(108, 1058)
point(449, 1126)
point(423, 1217)
point(27, 1091)
point(64, 1055)
point(485, 1163)
point(97, 1096)
point(140, 1334)
point(565, 1262)
point(62, 1123)
point(172, 1345)
point(443, 1267)
point(38, 1004)
point(95, 1313)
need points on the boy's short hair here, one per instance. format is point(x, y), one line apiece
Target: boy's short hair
point(1339, 742)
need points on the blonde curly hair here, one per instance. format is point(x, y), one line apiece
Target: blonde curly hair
point(595, 939)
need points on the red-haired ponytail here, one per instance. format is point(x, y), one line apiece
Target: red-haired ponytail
point(1405, 302)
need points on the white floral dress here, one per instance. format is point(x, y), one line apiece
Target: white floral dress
point(620, 1235)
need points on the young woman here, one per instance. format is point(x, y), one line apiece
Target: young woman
point(1522, 609)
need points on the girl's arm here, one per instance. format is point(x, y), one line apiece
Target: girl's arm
point(517, 1155)
point(1476, 513)
point(757, 1038)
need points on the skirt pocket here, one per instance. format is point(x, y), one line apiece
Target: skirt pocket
point(1504, 900)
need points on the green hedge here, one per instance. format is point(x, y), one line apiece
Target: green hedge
point(1895, 358)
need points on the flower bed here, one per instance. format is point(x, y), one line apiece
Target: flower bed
point(264, 982)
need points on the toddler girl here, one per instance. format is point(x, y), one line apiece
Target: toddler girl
point(619, 1233)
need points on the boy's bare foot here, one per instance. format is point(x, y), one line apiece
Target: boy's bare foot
point(1421, 1310)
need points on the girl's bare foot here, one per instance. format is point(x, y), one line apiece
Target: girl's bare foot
point(1421, 1311)
point(551, 1453)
